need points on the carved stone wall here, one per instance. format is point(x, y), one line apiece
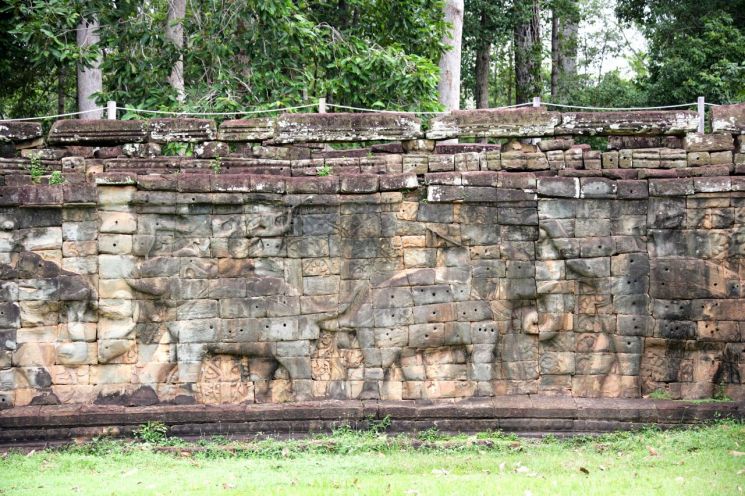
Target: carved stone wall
point(412, 271)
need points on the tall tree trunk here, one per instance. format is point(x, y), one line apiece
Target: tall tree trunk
point(61, 80)
point(555, 54)
point(449, 85)
point(527, 55)
point(483, 61)
point(175, 33)
point(90, 79)
point(568, 46)
point(564, 28)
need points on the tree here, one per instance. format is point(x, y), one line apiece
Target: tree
point(449, 85)
point(565, 16)
point(175, 33)
point(236, 55)
point(90, 79)
point(695, 48)
point(486, 23)
point(527, 50)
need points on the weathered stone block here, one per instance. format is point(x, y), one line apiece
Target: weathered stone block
point(299, 128)
point(628, 123)
point(494, 123)
point(97, 132)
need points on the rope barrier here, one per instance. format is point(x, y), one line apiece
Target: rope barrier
point(681, 105)
point(363, 109)
point(378, 111)
point(69, 114)
point(345, 107)
point(240, 112)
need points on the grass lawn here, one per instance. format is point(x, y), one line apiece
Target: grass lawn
point(702, 461)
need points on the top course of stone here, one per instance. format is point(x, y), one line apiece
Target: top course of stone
point(350, 127)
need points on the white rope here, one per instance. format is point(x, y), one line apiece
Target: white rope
point(52, 116)
point(363, 109)
point(712, 104)
point(241, 112)
point(681, 105)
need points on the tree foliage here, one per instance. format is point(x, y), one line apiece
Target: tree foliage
point(238, 54)
point(695, 48)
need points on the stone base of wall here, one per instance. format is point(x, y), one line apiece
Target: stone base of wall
point(522, 414)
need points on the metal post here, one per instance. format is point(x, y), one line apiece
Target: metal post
point(536, 101)
point(701, 114)
point(321, 105)
point(111, 110)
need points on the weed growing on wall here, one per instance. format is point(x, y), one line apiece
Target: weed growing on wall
point(36, 169)
point(152, 432)
point(216, 165)
point(56, 178)
point(324, 170)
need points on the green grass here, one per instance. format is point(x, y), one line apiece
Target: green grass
point(697, 461)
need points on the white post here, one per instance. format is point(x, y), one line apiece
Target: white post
point(111, 110)
point(701, 114)
point(321, 105)
point(536, 101)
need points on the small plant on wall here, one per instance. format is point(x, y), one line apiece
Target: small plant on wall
point(36, 169)
point(56, 178)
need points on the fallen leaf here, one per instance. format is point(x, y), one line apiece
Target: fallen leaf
point(602, 467)
point(501, 467)
point(737, 453)
point(185, 454)
point(228, 486)
point(522, 469)
point(584, 470)
point(527, 493)
point(679, 480)
point(652, 451)
point(515, 444)
point(740, 472)
point(439, 471)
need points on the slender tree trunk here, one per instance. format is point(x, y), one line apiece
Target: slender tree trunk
point(90, 79)
point(527, 55)
point(449, 86)
point(568, 46)
point(175, 33)
point(61, 80)
point(566, 59)
point(511, 72)
point(555, 54)
point(483, 60)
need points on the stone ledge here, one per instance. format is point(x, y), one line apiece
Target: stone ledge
point(526, 414)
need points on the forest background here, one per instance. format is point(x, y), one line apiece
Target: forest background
point(58, 56)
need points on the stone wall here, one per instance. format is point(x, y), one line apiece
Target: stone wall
point(413, 270)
